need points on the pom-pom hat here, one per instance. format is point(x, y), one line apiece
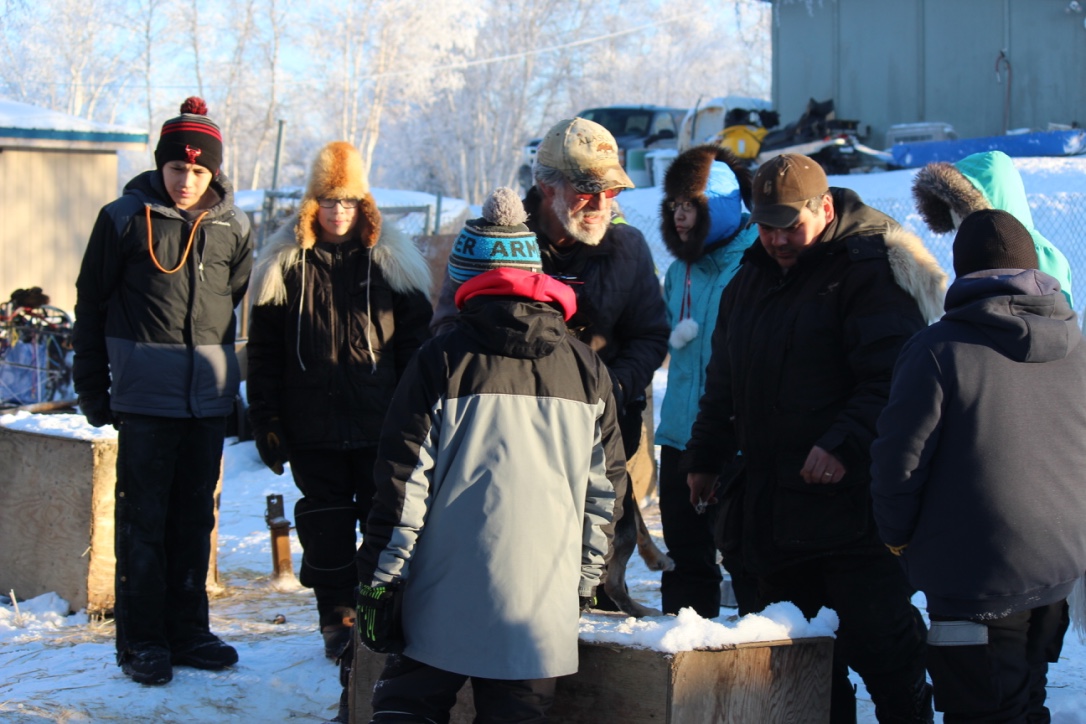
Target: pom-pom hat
point(499, 239)
point(191, 137)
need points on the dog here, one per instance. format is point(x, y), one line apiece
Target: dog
point(631, 532)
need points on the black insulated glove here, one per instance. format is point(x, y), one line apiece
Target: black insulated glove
point(96, 409)
point(271, 443)
point(380, 618)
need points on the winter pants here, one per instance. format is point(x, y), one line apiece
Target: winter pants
point(695, 581)
point(881, 634)
point(1003, 680)
point(337, 492)
point(167, 469)
point(411, 691)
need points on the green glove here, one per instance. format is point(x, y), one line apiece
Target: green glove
point(380, 619)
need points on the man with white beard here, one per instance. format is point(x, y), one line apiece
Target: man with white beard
point(584, 242)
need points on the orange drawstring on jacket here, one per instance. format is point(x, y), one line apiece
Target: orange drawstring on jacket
point(188, 247)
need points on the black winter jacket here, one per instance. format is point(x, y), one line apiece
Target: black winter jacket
point(620, 303)
point(979, 462)
point(162, 343)
point(804, 359)
point(325, 355)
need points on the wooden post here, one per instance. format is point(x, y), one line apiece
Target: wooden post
point(280, 537)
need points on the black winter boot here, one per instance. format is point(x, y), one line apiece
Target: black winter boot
point(204, 652)
point(150, 665)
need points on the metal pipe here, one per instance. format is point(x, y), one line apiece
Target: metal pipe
point(1002, 58)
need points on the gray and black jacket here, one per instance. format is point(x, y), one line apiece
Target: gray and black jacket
point(159, 337)
point(496, 478)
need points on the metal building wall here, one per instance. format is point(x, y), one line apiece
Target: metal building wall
point(49, 200)
point(903, 61)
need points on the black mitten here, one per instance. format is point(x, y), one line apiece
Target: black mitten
point(96, 409)
point(271, 443)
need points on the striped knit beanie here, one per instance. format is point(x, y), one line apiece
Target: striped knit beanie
point(498, 239)
point(191, 137)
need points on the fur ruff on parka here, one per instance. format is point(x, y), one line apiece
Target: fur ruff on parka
point(394, 252)
point(687, 177)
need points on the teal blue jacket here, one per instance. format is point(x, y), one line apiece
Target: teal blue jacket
point(686, 367)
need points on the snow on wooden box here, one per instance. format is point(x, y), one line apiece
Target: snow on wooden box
point(777, 681)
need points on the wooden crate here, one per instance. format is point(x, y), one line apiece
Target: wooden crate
point(777, 681)
point(56, 519)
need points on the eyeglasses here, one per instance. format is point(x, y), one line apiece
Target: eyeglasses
point(332, 203)
point(674, 206)
point(609, 194)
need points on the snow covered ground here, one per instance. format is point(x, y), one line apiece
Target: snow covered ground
point(56, 667)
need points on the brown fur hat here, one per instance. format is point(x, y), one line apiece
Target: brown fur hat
point(687, 177)
point(337, 174)
point(940, 187)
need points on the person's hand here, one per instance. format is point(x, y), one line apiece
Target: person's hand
point(271, 443)
point(822, 467)
point(897, 550)
point(379, 618)
point(702, 489)
point(97, 410)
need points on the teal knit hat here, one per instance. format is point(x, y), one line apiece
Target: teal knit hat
point(498, 239)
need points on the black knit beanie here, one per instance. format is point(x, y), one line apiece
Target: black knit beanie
point(992, 239)
point(191, 137)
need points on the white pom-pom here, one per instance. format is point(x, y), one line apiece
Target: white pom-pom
point(684, 331)
point(503, 208)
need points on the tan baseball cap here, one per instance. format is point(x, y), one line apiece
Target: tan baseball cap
point(586, 154)
point(782, 186)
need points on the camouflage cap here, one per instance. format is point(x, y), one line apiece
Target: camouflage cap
point(586, 154)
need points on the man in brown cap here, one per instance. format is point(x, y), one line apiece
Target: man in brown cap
point(977, 490)
point(805, 343)
point(584, 242)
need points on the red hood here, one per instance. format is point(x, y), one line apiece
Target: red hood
point(506, 282)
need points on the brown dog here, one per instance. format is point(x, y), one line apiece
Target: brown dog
point(631, 531)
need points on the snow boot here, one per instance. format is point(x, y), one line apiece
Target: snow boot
point(204, 652)
point(337, 627)
point(150, 665)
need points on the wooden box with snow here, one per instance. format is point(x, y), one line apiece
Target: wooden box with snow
point(56, 518)
point(766, 681)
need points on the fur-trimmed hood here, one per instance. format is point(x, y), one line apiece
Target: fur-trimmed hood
point(394, 252)
point(707, 176)
point(337, 174)
point(914, 267)
point(916, 271)
point(982, 181)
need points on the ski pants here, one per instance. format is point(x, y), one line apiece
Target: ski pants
point(411, 691)
point(337, 492)
point(695, 581)
point(881, 634)
point(167, 469)
point(1001, 676)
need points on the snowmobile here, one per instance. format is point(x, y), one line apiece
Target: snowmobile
point(835, 143)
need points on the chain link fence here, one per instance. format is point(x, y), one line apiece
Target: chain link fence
point(1060, 217)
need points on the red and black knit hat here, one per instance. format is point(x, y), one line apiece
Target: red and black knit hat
point(192, 137)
